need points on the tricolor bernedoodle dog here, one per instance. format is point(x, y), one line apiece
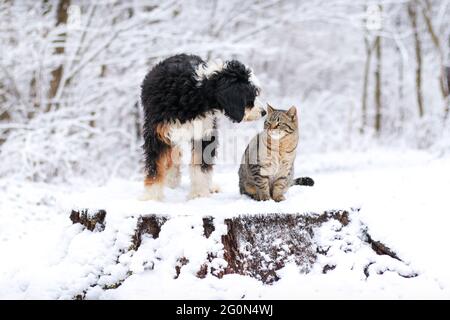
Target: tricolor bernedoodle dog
point(182, 97)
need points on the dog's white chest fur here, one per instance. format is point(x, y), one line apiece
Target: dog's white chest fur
point(196, 129)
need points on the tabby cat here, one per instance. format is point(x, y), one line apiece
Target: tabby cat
point(267, 165)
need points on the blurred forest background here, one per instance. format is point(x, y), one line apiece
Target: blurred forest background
point(363, 74)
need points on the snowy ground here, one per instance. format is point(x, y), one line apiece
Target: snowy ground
point(403, 198)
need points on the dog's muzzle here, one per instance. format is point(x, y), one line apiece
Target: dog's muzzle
point(254, 113)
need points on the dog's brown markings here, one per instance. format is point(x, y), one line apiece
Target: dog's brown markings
point(164, 160)
point(161, 167)
point(170, 158)
point(162, 132)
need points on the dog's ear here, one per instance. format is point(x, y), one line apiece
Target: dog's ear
point(270, 109)
point(232, 100)
point(233, 90)
point(237, 71)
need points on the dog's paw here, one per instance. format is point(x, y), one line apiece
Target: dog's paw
point(198, 194)
point(214, 189)
point(148, 197)
point(155, 194)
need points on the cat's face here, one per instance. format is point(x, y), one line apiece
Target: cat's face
point(280, 123)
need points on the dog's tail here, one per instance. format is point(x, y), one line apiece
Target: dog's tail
point(303, 181)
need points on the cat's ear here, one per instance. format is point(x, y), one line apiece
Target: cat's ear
point(270, 109)
point(292, 112)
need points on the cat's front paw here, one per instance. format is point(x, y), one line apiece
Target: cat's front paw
point(263, 197)
point(279, 198)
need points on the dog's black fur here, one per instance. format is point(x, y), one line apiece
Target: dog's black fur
point(171, 91)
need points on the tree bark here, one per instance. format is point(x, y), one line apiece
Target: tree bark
point(365, 84)
point(61, 18)
point(412, 12)
point(401, 94)
point(4, 117)
point(378, 109)
point(447, 106)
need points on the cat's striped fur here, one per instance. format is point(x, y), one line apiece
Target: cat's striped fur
point(267, 166)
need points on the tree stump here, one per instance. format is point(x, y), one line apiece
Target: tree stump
point(256, 245)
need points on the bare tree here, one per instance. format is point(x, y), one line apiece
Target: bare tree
point(4, 115)
point(378, 93)
point(369, 48)
point(61, 20)
point(412, 12)
point(427, 12)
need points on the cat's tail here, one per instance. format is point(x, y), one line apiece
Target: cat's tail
point(303, 181)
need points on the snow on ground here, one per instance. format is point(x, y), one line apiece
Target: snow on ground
point(403, 198)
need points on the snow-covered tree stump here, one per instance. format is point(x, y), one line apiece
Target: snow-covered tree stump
point(252, 245)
